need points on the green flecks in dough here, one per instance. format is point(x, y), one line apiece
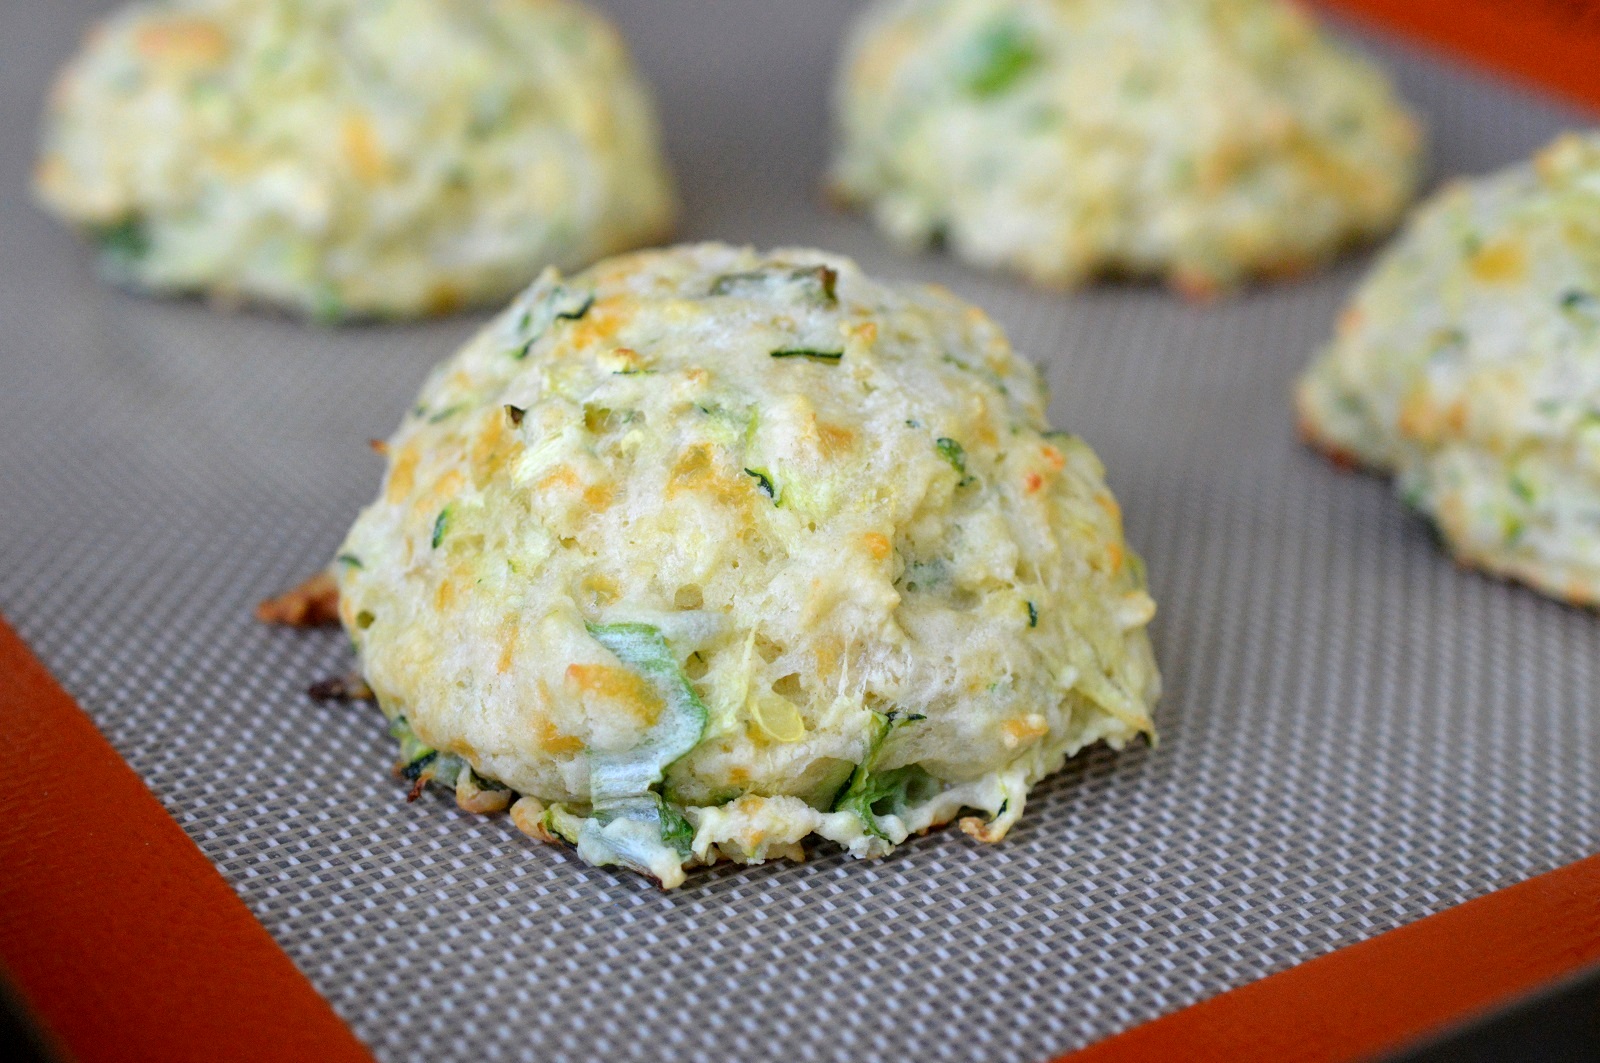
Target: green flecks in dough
point(953, 453)
point(808, 352)
point(764, 483)
point(124, 243)
point(870, 794)
point(1000, 57)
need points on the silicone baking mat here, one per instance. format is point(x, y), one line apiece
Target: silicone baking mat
point(1355, 732)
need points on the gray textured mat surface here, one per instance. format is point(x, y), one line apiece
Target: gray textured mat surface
point(1355, 733)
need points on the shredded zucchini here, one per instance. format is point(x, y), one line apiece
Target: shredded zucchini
point(631, 824)
point(870, 794)
point(558, 304)
point(952, 452)
point(764, 482)
point(999, 59)
point(808, 352)
point(809, 284)
point(642, 648)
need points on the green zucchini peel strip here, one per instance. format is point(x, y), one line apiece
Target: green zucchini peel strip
point(870, 794)
point(631, 825)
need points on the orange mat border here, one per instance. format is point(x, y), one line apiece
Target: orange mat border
point(114, 928)
point(1397, 987)
point(128, 944)
point(1382, 993)
point(1553, 45)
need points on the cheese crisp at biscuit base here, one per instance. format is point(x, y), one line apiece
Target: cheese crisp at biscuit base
point(703, 551)
point(353, 158)
point(1198, 141)
point(1468, 364)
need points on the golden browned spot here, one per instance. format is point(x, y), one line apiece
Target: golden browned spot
point(426, 506)
point(1217, 169)
point(1502, 262)
point(1032, 482)
point(837, 197)
point(874, 67)
point(738, 776)
point(238, 159)
point(1020, 729)
point(622, 360)
point(692, 469)
point(362, 150)
point(347, 611)
point(444, 298)
point(831, 440)
point(1285, 267)
point(1053, 457)
point(402, 474)
point(1195, 286)
point(379, 446)
point(977, 828)
point(560, 476)
point(1336, 172)
point(877, 545)
point(866, 332)
point(1419, 418)
point(830, 648)
point(603, 321)
point(1109, 504)
point(485, 446)
point(444, 595)
point(493, 448)
point(527, 815)
point(443, 490)
point(984, 432)
point(469, 798)
point(696, 470)
point(1344, 460)
point(183, 40)
point(620, 687)
point(312, 604)
point(554, 740)
point(1550, 160)
point(508, 645)
point(1452, 513)
point(1114, 556)
point(50, 172)
point(598, 496)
